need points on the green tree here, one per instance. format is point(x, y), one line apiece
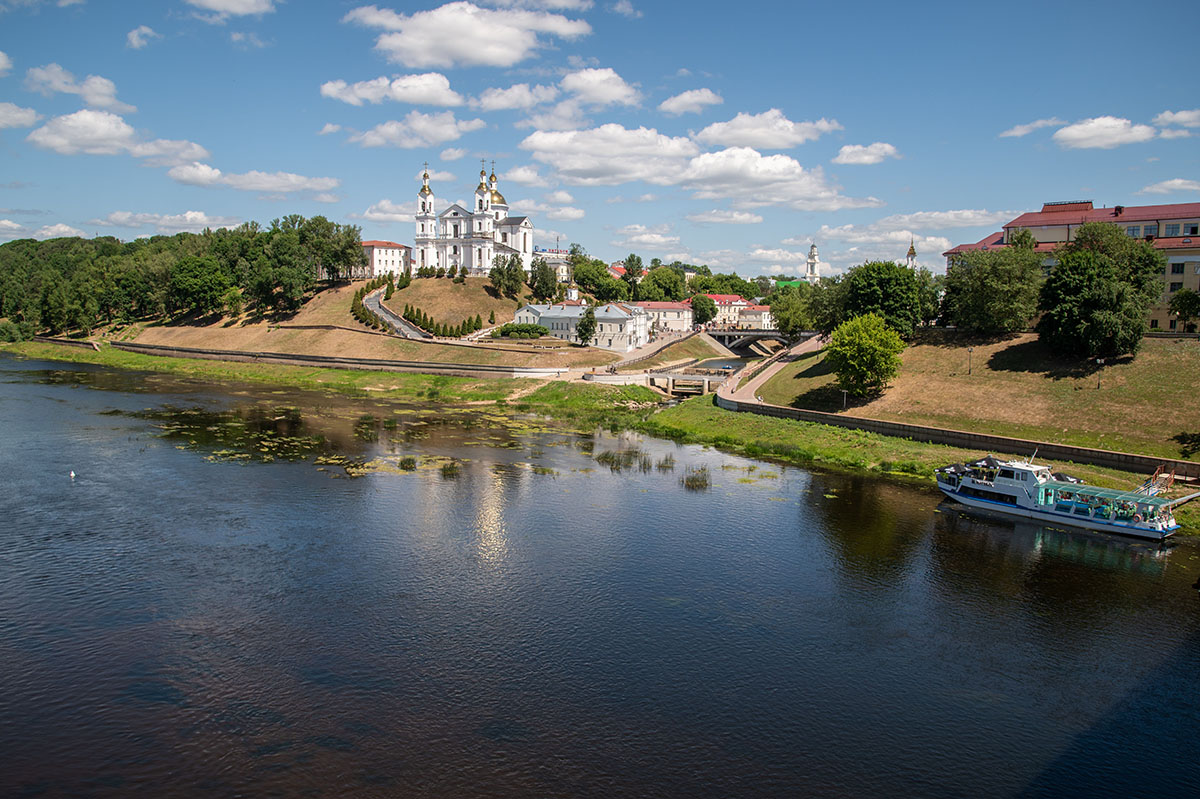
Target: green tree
point(492, 317)
point(704, 310)
point(790, 309)
point(585, 328)
point(633, 271)
point(504, 278)
point(1095, 301)
point(929, 292)
point(994, 292)
point(542, 280)
point(826, 303)
point(1186, 305)
point(198, 284)
point(864, 353)
point(233, 302)
point(885, 288)
point(663, 283)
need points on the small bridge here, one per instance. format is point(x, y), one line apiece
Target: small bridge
point(677, 383)
point(736, 339)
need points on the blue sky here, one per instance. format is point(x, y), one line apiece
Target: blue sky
point(730, 134)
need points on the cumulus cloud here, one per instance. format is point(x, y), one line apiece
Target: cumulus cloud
point(386, 211)
point(188, 221)
point(418, 130)
point(642, 237)
point(1186, 119)
point(463, 34)
point(865, 154)
point(329, 128)
point(247, 41)
point(58, 231)
point(140, 36)
point(14, 116)
point(560, 197)
point(1030, 127)
point(847, 245)
point(444, 177)
point(750, 179)
point(452, 153)
point(941, 220)
point(1174, 133)
point(1102, 133)
point(526, 175)
point(611, 154)
point(769, 130)
point(198, 174)
point(224, 9)
point(430, 88)
point(567, 115)
point(104, 133)
point(626, 9)
point(1168, 186)
point(725, 217)
point(690, 102)
point(95, 91)
point(600, 88)
point(520, 95)
point(5, 64)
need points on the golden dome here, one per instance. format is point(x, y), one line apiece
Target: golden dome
point(497, 197)
point(426, 190)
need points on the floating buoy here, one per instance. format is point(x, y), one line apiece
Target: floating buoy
point(72, 474)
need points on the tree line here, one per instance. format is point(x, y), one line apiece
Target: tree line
point(76, 284)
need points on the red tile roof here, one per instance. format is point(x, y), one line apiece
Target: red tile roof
point(1055, 215)
point(995, 241)
point(656, 305)
point(377, 243)
point(725, 299)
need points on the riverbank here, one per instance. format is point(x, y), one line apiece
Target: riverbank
point(584, 407)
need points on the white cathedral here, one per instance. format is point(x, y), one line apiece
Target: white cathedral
point(470, 238)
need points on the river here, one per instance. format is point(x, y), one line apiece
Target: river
point(253, 592)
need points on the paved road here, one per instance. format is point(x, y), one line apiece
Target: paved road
point(749, 391)
point(374, 303)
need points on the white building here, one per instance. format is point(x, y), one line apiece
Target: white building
point(470, 238)
point(667, 317)
point(385, 257)
point(729, 308)
point(619, 326)
point(559, 261)
point(757, 317)
point(812, 272)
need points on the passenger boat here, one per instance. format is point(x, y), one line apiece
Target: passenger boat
point(1022, 488)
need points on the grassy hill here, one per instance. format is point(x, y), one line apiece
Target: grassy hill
point(451, 303)
point(694, 348)
point(332, 307)
point(1015, 387)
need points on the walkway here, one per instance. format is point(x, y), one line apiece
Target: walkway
point(749, 391)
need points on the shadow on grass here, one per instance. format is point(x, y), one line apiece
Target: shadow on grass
point(1033, 357)
point(1189, 443)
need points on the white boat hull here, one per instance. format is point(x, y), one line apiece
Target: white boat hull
point(1058, 518)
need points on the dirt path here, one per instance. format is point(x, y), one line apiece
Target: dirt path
point(749, 391)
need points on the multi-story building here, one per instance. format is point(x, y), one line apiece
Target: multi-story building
point(667, 317)
point(385, 257)
point(729, 308)
point(558, 260)
point(619, 326)
point(470, 238)
point(1174, 229)
point(757, 317)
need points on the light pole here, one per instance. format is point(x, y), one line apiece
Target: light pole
point(969, 351)
point(1099, 366)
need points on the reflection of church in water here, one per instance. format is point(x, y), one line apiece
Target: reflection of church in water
point(470, 238)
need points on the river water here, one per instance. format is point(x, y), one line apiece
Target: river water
point(254, 593)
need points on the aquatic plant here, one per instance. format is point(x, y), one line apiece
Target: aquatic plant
point(696, 479)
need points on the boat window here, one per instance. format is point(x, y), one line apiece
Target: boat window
point(1007, 473)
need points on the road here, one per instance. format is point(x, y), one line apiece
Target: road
point(373, 303)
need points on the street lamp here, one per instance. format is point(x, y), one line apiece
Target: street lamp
point(969, 351)
point(1099, 366)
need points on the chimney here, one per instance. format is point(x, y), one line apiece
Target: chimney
point(1118, 210)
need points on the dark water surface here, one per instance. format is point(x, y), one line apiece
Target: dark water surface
point(252, 593)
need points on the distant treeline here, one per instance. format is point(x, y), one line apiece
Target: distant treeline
point(74, 284)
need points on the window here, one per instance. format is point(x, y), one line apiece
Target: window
point(1176, 269)
point(1173, 323)
point(1171, 230)
point(1150, 230)
point(1191, 230)
point(1153, 324)
point(1177, 285)
point(1133, 230)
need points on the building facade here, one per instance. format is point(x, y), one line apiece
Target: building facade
point(667, 317)
point(620, 327)
point(469, 239)
point(1173, 229)
point(729, 308)
point(385, 257)
point(757, 317)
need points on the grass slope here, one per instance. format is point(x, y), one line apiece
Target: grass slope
point(694, 348)
point(452, 303)
point(1017, 388)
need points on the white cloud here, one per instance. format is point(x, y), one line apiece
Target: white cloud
point(430, 88)
point(567, 115)
point(329, 128)
point(600, 88)
point(520, 95)
point(565, 213)
point(640, 236)
point(452, 153)
point(443, 177)
point(611, 154)
point(769, 130)
point(1102, 133)
point(104, 133)
point(95, 91)
point(418, 130)
point(941, 220)
point(386, 211)
point(14, 116)
point(526, 176)
point(247, 41)
point(188, 221)
point(865, 154)
point(462, 33)
point(690, 102)
point(198, 174)
point(626, 9)
point(1175, 184)
point(560, 197)
point(725, 217)
point(140, 36)
point(1030, 127)
point(1174, 133)
point(5, 64)
point(223, 9)
point(862, 243)
point(326, 197)
point(751, 180)
point(1187, 119)
point(57, 231)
